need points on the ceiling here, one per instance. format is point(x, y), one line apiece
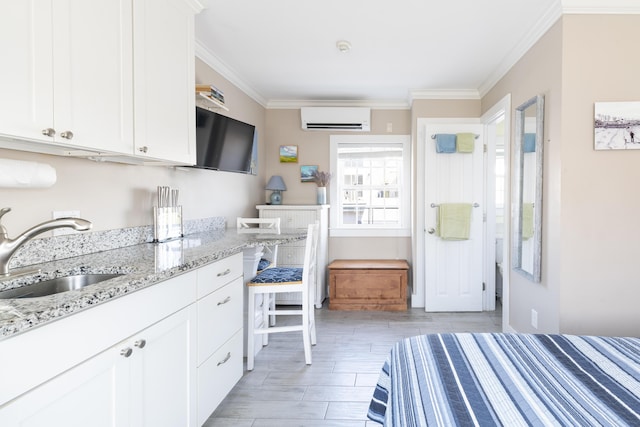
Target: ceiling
point(283, 52)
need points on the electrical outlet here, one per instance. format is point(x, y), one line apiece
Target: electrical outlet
point(64, 214)
point(534, 318)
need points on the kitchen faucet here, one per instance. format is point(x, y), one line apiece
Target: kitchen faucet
point(8, 247)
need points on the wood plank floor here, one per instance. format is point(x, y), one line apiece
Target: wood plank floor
point(336, 389)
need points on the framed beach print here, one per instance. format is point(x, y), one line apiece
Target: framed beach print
point(307, 172)
point(617, 125)
point(288, 154)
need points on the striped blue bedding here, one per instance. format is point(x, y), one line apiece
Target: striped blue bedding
point(498, 379)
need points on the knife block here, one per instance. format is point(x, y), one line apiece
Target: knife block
point(167, 223)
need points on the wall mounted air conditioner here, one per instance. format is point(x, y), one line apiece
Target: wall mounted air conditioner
point(336, 118)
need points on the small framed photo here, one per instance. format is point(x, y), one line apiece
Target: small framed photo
point(307, 172)
point(617, 125)
point(288, 154)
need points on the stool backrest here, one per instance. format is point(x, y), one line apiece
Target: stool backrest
point(258, 225)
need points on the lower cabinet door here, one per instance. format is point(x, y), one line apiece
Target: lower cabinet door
point(148, 379)
point(163, 374)
point(217, 376)
point(94, 393)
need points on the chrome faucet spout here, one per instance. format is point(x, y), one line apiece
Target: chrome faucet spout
point(8, 246)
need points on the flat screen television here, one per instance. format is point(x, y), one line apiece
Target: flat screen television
point(223, 143)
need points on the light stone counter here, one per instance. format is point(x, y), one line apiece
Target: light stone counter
point(142, 265)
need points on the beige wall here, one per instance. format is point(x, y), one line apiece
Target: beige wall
point(284, 128)
point(600, 271)
point(114, 195)
point(589, 267)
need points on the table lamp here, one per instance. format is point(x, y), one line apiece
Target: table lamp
point(277, 185)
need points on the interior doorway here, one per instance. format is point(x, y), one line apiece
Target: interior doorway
point(497, 122)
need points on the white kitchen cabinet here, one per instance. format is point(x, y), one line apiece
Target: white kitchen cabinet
point(67, 76)
point(94, 78)
point(220, 342)
point(292, 254)
point(164, 74)
point(125, 385)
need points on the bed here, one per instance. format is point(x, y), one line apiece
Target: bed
point(489, 379)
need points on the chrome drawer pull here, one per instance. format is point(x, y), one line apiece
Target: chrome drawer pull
point(226, 359)
point(126, 352)
point(224, 301)
point(140, 343)
point(224, 273)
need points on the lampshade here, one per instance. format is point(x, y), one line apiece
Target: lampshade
point(276, 183)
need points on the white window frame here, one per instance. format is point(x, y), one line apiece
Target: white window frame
point(353, 230)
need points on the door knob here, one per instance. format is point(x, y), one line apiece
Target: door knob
point(143, 149)
point(140, 343)
point(431, 230)
point(67, 134)
point(126, 352)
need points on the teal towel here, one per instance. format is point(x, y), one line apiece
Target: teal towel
point(529, 143)
point(445, 143)
point(466, 142)
point(454, 221)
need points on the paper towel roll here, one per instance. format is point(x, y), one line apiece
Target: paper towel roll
point(21, 174)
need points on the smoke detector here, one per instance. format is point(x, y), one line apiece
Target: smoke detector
point(343, 46)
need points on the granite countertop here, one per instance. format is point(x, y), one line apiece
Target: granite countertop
point(142, 265)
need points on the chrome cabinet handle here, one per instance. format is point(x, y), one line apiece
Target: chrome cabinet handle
point(225, 360)
point(224, 301)
point(143, 149)
point(126, 352)
point(48, 132)
point(140, 343)
point(67, 134)
point(431, 230)
point(224, 273)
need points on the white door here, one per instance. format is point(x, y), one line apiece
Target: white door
point(453, 269)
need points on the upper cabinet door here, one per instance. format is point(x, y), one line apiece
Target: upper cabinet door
point(67, 74)
point(93, 74)
point(26, 74)
point(164, 72)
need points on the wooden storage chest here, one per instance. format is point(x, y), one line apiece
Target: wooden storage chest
point(368, 285)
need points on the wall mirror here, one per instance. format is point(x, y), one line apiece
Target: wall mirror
point(527, 188)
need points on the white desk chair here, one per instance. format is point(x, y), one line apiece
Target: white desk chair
point(269, 257)
point(287, 279)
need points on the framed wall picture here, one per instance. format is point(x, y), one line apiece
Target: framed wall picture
point(617, 125)
point(306, 173)
point(288, 154)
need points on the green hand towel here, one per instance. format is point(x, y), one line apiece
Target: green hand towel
point(454, 221)
point(527, 221)
point(465, 142)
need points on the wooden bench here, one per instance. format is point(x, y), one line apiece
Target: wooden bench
point(368, 284)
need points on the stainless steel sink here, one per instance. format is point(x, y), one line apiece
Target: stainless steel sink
point(55, 286)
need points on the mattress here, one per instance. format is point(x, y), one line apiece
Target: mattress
point(469, 379)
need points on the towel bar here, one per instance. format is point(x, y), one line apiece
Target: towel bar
point(434, 136)
point(433, 205)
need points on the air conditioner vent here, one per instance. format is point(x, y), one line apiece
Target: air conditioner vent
point(336, 118)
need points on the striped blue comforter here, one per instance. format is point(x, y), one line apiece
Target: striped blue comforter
point(510, 380)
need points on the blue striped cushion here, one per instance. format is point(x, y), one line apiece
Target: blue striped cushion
point(279, 275)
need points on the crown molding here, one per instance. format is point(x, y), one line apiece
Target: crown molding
point(287, 104)
point(214, 62)
point(537, 31)
point(600, 7)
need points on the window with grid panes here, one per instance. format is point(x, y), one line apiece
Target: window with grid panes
point(370, 189)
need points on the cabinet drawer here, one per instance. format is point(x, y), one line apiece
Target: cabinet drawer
point(219, 317)
point(217, 376)
point(292, 219)
point(218, 274)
